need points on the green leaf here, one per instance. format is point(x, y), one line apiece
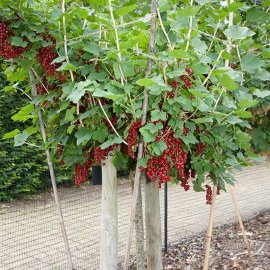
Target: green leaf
point(79, 90)
point(254, 15)
point(247, 103)
point(202, 120)
point(91, 48)
point(179, 54)
point(125, 10)
point(24, 113)
point(250, 63)
point(69, 116)
point(189, 139)
point(109, 95)
point(11, 134)
point(243, 114)
point(142, 162)
point(158, 115)
point(234, 120)
point(18, 41)
point(20, 138)
point(110, 142)
point(157, 148)
point(67, 66)
point(147, 82)
point(238, 32)
point(261, 94)
point(83, 134)
point(227, 82)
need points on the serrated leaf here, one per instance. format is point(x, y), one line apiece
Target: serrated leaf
point(125, 10)
point(147, 82)
point(83, 134)
point(24, 113)
point(227, 82)
point(67, 66)
point(104, 94)
point(238, 32)
point(11, 134)
point(110, 142)
point(250, 63)
point(255, 15)
point(234, 120)
point(202, 120)
point(179, 54)
point(158, 115)
point(20, 139)
point(243, 114)
point(261, 94)
point(91, 48)
point(247, 103)
point(18, 41)
point(158, 148)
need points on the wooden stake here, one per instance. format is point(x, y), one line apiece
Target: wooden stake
point(153, 226)
point(210, 230)
point(53, 179)
point(109, 219)
point(238, 214)
point(137, 181)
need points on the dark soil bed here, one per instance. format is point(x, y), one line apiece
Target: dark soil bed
point(228, 251)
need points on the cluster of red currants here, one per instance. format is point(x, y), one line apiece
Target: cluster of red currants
point(46, 55)
point(200, 148)
point(101, 154)
point(186, 79)
point(132, 138)
point(81, 172)
point(8, 51)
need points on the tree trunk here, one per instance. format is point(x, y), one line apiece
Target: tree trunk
point(109, 234)
point(139, 233)
point(153, 226)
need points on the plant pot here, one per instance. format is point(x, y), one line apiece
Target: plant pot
point(96, 175)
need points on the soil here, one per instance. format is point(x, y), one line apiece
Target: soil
point(228, 251)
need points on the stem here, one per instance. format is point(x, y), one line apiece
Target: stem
point(108, 119)
point(210, 230)
point(66, 50)
point(214, 36)
point(137, 181)
point(117, 41)
point(164, 31)
point(190, 28)
point(53, 179)
point(34, 72)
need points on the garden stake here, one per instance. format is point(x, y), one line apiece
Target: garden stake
point(141, 143)
point(166, 216)
point(240, 221)
point(210, 229)
point(53, 180)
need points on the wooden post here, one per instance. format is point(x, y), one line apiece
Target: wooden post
point(109, 233)
point(153, 226)
point(210, 229)
point(238, 214)
point(53, 179)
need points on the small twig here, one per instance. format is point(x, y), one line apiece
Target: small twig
point(109, 121)
point(164, 31)
point(213, 68)
point(35, 73)
point(260, 249)
point(214, 36)
point(190, 28)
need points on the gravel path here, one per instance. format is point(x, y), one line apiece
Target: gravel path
point(30, 236)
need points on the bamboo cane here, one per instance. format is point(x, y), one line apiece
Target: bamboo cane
point(53, 179)
point(210, 230)
point(238, 214)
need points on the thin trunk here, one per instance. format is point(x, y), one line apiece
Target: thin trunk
point(139, 233)
point(53, 179)
point(153, 226)
point(137, 181)
point(109, 233)
point(210, 230)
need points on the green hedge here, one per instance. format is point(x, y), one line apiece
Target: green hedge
point(23, 170)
